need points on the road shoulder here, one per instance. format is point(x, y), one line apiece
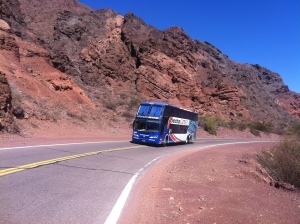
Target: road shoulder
point(222, 184)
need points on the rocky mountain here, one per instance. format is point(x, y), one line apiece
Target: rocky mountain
point(61, 61)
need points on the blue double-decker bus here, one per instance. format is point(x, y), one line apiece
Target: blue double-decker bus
point(161, 123)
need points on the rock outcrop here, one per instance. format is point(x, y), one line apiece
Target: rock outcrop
point(6, 118)
point(55, 47)
point(31, 88)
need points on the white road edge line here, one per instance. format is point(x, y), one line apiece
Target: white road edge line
point(117, 209)
point(63, 144)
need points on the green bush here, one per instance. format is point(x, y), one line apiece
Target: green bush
point(282, 162)
point(128, 116)
point(295, 130)
point(241, 126)
point(262, 126)
point(73, 115)
point(210, 125)
point(257, 127)
point(232, 125)
point(134, 102)
point(254, 132)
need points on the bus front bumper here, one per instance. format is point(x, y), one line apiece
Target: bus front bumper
point(148, 139)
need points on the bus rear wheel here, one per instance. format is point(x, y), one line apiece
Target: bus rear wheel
point(188, 140)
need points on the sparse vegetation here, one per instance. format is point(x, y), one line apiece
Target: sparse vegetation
point(295, 130)
point(110, 104)
point(266, 127)
point(134, 102)
point(282, 162)
point(209, 124)
point(254, 132)
point(236, 125)
point(127, 114)
point(75, 116)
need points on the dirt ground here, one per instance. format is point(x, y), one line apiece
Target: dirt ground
point(222, 184)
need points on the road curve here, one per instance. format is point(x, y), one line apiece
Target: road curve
point(76, 183)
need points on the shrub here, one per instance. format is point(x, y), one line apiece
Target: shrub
point(75, 116)
point(128, 115)
point(232, 125)
point(241, 126)
point(110, 104)
point(295, 130)
point(262, 126)
point(134, 102)
point(282, 162)
point(257, 127)
point(254, 132)
point(236, 125)
point(210, 125)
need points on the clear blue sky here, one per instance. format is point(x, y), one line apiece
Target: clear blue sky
point(264, 32)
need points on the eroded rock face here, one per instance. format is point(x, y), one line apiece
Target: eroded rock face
point(108, 51)
point(7, 122)
point(5, 94)
point(31, 88)
point(290, 101)
point(63, 44)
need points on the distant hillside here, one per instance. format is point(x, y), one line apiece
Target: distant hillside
point(62, 61)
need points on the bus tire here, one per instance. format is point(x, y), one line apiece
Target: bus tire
point(165, 142)
point(188, 140)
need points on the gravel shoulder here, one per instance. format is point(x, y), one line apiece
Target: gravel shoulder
point(223, 184)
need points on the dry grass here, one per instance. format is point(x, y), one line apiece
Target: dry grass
point(282, 162)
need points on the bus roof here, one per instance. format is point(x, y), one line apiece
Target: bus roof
point(165, 104)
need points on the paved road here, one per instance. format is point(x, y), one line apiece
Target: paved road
point(73, 183)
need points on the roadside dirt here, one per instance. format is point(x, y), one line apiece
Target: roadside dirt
point(222, 184)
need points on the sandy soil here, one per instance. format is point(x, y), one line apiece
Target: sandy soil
point(221, 185)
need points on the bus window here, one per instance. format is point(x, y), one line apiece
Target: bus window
point(144, 110)
point(156, 111)
point(139, 125)
point(146, 125)
point(179, 129)
point(152, 126)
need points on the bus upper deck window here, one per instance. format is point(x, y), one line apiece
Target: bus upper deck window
point(144, 110)
point(156, 111)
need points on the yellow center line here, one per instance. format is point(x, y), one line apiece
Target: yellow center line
point(51, 161)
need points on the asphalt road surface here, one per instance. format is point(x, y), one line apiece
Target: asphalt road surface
point(75, 183)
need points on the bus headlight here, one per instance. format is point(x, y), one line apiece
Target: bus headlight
point(154, 136)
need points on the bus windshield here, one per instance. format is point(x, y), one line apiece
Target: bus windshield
point(144, 110)
point(156, 111)
point(146, 125)
point(150, 110)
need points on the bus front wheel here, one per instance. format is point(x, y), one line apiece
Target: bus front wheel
point(165, 142)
